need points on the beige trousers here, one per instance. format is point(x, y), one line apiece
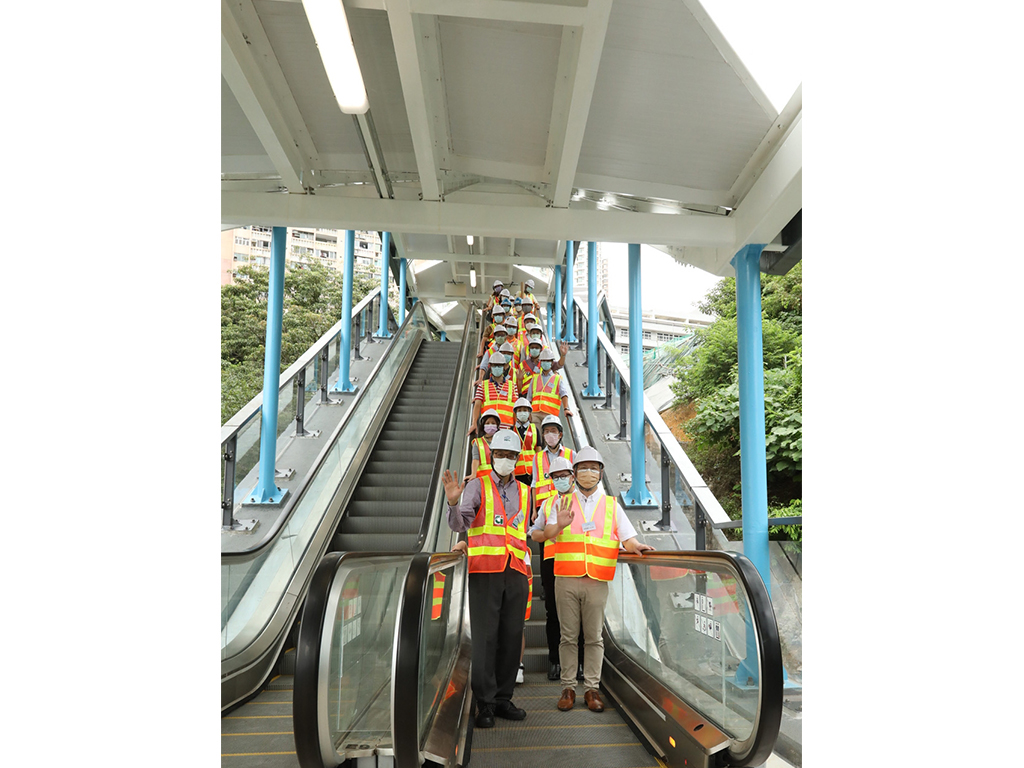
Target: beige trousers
point(580, 601)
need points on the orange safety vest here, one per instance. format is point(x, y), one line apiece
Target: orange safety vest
point(492, 538)
point(545, 487)
point(550, 545)
point(593, 553)
point(524, 466)
point(500, 401)
point(438, 599)
point(545, 398)
point(484, 450)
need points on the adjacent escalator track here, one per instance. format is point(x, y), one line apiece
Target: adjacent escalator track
point(693, 668)
point(374, 486)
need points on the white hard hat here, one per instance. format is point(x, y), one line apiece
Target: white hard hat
point(587, 454)
point(497, 283)
point(505, 293)
point(511, 322)
point(529, 283)
point(506, 349)
point(496, 359)
point(522, 402)
point(547, 354)
point(549, 419)
point(559, 464)
point(485, 414)
point(506, 440)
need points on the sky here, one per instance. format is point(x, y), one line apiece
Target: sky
point(666, 286)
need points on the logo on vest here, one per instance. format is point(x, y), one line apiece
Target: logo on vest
point(499, 519)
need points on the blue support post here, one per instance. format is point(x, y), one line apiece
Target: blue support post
point(637, 495)
point(385, 254)
point(558, 306)
point(343, 384)
point(593, 386)
point(551, 308)
point(444, 336)
point(401, 292)
point(266, 490)
point(753, 471)
point(570, 249)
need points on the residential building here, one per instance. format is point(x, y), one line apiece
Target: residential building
point(656, 328)
point(304, 245)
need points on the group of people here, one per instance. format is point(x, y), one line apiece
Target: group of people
point(525, 484)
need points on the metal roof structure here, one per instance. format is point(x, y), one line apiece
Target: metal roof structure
point(524, 123)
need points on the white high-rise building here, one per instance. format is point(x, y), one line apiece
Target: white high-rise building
point(305, 245)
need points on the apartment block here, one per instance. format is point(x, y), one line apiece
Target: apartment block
point(304, 245)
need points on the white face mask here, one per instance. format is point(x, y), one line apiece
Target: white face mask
point(498, 371)
point(562, 484)
point(523, 415)
point(552, 439)
point(545, 365)
point(504, 466)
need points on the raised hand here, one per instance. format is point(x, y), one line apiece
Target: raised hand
point(452, 487)
point(565, 513)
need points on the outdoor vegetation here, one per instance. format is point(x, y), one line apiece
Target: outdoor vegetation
point(312, 304)
point(707, 383)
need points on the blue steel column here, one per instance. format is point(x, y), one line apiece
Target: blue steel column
point(401, 292)
point(637, 495)
point(385, 254)
point(558, 306)
point(343, 384)
point(266, 490)
point(593, 387)
point(551, 308)
point(753, 471)
point(570, 249)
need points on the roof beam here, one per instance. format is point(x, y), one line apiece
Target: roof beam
point(590, 46)
point(326, 210)
point(465, 258)
point(249, 67)
point(570, 13)
point(406, 42)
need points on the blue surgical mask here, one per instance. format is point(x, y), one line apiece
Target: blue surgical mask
point(497, 371)
point(562, 484)
point(545, 365)
point(534, 352)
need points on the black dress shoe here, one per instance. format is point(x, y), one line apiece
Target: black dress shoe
point(485, 718)
point(509, 711)
point(579, 673)
point(555, 673)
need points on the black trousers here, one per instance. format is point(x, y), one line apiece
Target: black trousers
point(554, 630)
point(497, 609)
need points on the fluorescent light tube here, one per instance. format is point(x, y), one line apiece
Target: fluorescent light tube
point(334, 41)
point(472, 277)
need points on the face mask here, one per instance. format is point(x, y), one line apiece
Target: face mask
point(587, 478)
point(562, 484)
point(490, 429)
point(506, 305)
point(498, 371)
point(499, 339)
point(499, 319)
point(545, 365)
point(552, 439)
point(534, 353)
point(523, 415)
point(504, 466)
point(535, 337)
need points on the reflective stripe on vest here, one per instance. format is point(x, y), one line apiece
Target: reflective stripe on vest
point(438, 600)
point(500, 402)
point(529, 597)
point(483, 469)
point(491, 544)
point(545, 398)
point(524, 466)
point(592, 554)
point(545, 488)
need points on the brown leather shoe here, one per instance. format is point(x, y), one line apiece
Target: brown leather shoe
point(568, 699)
point(593, 699)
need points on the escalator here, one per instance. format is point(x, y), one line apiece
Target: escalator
point(375, 486)
point(692, 670)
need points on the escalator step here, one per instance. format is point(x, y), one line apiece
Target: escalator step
point(390, 494)
point(399, 442)
point(364, 508)
point(417, 468)
point(395, 480)
point(394, 457)
point(374, 542)
point(364, 525)
point(421, 417)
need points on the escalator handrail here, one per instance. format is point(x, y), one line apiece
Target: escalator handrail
point(454, 397)
point(312, 745)
point(757, 747)
point(293, 501)
point(405, 671)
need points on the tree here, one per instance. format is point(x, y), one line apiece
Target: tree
point(312, 305)
point(709, 380)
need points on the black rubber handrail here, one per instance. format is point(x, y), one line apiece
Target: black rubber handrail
point(768, 719)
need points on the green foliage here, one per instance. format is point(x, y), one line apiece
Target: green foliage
point(787, 532)
point(312, 304)
point(708, 378)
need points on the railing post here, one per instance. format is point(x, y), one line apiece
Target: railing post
point(300, 405)
point(666, 491)
point(227, 502)
point(325, 356)
point(357, 335)
point(622, 409)
point(700, 519)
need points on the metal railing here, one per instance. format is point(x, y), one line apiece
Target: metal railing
point(240, 436)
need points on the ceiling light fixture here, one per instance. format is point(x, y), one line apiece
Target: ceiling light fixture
point(469, 239)
point(334, 41)
point(472, 276)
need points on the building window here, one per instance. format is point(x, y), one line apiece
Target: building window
point(647, 335)
point(241, 241)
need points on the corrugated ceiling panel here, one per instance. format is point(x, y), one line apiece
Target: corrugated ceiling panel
point(499, 81)
point(667, 108)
